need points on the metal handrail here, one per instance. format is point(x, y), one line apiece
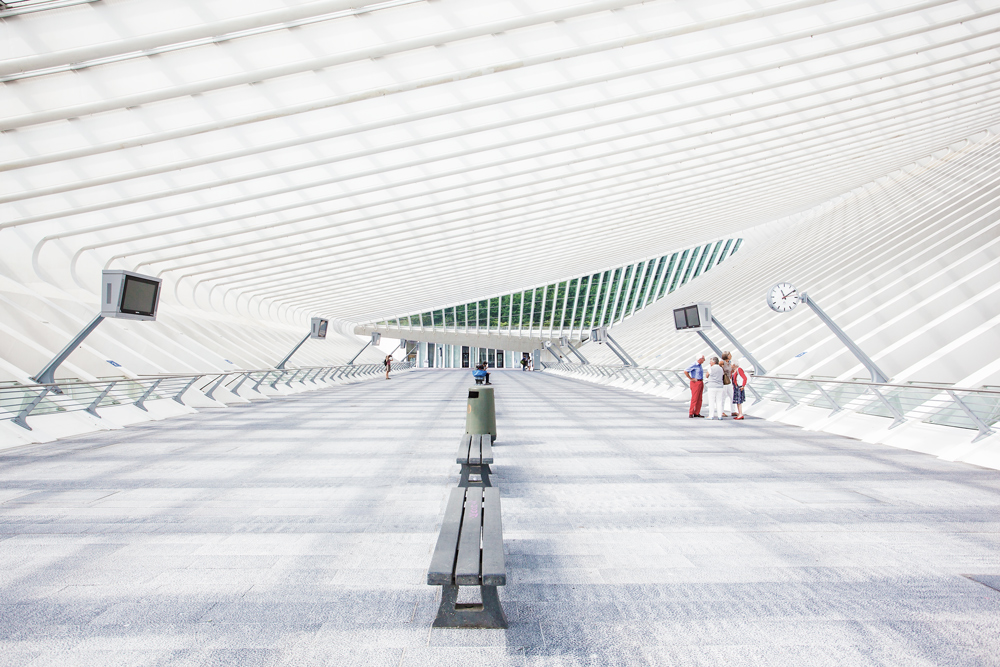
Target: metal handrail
point(19, 401)
point(933, 387)
point(961, 407)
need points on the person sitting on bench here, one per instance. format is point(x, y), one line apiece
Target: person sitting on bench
point(481, 375)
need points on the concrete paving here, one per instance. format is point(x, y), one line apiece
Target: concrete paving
point(298, 532)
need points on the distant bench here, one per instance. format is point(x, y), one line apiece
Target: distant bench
point(469, 552)
point(475, 454)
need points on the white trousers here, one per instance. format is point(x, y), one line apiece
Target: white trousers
point(716, 401)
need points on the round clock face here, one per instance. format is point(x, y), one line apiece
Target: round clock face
point(783, 297)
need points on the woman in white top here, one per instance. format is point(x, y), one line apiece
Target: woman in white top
point(716, 390)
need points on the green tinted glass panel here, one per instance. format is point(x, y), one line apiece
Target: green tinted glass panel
point(494, 320)
point(701, 260)
point(593, 285)
point(737, 246)
point(566, 320)
point(550, 293)
point(579, 299)
point(665, 284)
point(690, 266)
point(618, 295)
point(725, 251)
point(536, 319)
point(654, 280)
point(678, 270)
point(715, 253)
point(557, 304)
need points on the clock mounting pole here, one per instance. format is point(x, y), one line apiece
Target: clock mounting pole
point(876, 372)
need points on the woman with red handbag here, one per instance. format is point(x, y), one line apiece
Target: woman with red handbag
point(740, 380)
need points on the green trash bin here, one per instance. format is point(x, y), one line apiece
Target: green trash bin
point(481, 414)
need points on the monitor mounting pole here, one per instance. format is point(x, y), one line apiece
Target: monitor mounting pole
point(351, 362)
point(576, 352)
point(708, 341)
point(281, 364)
point(620, 351)
point(758, 369)
point(48, 374)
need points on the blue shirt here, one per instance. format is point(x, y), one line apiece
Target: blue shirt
point(696, 372)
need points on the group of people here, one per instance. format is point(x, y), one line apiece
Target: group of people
point(725, 381)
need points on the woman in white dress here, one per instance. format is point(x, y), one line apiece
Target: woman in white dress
point(716, 390)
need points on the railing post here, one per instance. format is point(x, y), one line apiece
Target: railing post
point(22, 417)
point(277, 378)
point(984, 430)
point(240, 383)
point(216, 386)
point(146, 395)
point(92, 408)
point(294, 375)
point(828, 398)
point(652, 377)
point(897, 417)
point(260, 381)
point(177, 396)
point(791, 401)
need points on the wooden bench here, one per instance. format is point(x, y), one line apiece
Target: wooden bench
point(475, 454)
point(469, 552)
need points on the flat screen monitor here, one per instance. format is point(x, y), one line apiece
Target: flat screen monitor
point(687, 317)
point(322, 328)
point(693, 319)
point(139, 296)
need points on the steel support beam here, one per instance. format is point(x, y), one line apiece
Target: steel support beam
point(757, 366)
point(281, 364)
point(876, 372)
point(48, 374)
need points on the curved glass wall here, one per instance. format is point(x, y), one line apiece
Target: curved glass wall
point(571, 307)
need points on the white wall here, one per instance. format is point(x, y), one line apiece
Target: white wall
point(908, 265)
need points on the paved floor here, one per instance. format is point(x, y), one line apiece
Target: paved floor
point(298, 532)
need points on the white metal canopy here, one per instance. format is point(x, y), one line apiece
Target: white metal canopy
point(330, 157)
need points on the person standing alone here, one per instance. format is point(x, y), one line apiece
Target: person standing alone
point(388, 365)
point(696, 374)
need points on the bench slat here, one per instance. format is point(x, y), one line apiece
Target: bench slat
point(468, 562)
point(494, 566)
point(487, 449)
point(474, 451)
point(443, 560)
point(463, 449)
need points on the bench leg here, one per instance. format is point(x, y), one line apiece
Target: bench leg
point(482, 471)
point(452, 614)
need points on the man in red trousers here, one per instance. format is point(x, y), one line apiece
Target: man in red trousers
point(696, 374)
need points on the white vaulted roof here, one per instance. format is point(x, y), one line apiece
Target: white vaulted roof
point(329, 157)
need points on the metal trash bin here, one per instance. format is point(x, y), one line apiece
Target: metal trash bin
point(481, 414)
